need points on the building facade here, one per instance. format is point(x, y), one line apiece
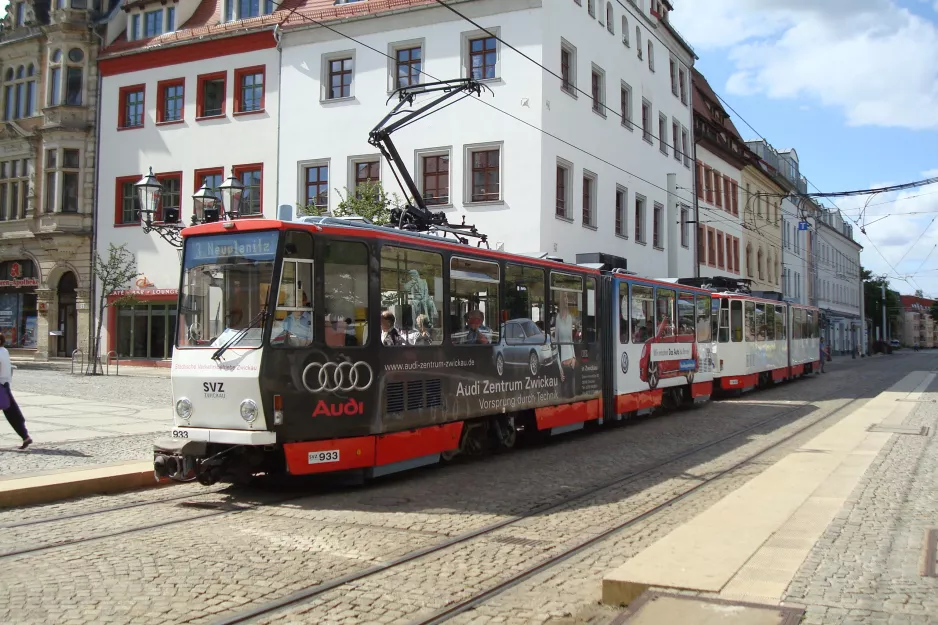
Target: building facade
point(47, 176)
point(197, 105)
point(721, 155)
point(918, 327)
point(838, 284)
point(762, 218)
point(594, 158)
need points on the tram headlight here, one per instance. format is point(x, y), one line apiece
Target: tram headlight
point(248, 410)
point(184, 408)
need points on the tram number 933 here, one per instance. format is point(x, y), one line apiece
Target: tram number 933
point(180, 434)
point(319, 457)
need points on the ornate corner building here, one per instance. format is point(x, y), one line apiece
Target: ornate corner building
point(47, 181)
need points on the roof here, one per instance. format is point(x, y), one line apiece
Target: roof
point(909, 300)
point(206, 21)
point(702, 86)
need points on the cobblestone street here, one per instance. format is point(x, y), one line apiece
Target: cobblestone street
point(195, 554)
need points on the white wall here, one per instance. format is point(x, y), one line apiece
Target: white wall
point(182, 147)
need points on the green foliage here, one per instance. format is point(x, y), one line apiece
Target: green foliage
point(369, 200)
point(112, 273)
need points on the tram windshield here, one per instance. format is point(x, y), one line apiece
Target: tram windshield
point(225, 289)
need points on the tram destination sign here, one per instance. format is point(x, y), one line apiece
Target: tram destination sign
point(260, 246)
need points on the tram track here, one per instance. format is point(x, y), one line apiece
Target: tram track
point(444, 614)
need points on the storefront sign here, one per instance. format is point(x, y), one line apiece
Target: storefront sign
point(19, 283)
point(145, 292)
point(143, 283)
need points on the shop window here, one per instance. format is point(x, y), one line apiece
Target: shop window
point(345, 280)
point(473, 295)
point(412, 291)
point(145, 331)
point(525, 306)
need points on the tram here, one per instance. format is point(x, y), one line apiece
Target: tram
point(321, 344)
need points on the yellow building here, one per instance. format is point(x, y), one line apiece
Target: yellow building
point(762, 219)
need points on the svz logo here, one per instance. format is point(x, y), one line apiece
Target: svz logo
point(213, 390)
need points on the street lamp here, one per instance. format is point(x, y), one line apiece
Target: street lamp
point(149, 190)
point(231, 192)
point(205, 205)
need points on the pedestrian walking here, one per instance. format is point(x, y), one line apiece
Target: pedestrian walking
point(9, 406)
point(824, 354)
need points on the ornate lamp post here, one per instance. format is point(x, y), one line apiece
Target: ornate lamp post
point(206, 206)
point(231, 192)
point(149, 190)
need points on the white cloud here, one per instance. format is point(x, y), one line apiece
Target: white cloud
point(872, 59)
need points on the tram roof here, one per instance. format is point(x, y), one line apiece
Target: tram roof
point(746, 296)
point(364, 229)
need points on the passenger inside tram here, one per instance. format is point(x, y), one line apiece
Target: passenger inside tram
point(474, 325)
point(422, 334)
point(390, 335)
point(297, 325)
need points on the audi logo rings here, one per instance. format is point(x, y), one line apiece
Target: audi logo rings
point(339, 376)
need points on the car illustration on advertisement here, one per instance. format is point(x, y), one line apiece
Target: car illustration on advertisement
point(668, 355)
point(523, 343)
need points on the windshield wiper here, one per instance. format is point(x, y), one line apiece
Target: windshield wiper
point(241, 333)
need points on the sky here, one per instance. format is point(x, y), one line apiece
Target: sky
point(852, 85)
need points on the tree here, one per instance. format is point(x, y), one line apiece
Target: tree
point(873, 300)
point(934, 311)
point(369, 200)
point(114, 273)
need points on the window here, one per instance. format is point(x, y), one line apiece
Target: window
point(622, 198)
point(339, 78)
point(675, 140)
point(761, 333)
point(750, 322)
point(55, 78)
point(568, 68)
point(663, 133)
point(153, 23)
point(664, 310)
point(485, 175)
point(642, 312)
point(292, 324)
point(656, 227)
point(625, 105)
point(483, 57)
point(411, 290)
point(711, 247)
point(345, 287)
point(673, 72)
point(525, 308)
point(131, 107)
point(436, 179)
point(598, 92)
point(703, 324)
point(685, 217)
point(170, 19)
point(249, 90)
point(736, 319)
point(708, 183)
point(684, 147)
point(19, 92)
point(170, 197)
point(591, 7)
point(646, 120)
point(760, 259)
point(566, 310)
point(687, 316)
point(408, 62)
point(639, 219)
point(638, 41)
point(717, 189)
point(128, 204)
point(145, 330)
point(563, 177)
point(14, 181)
point(623, 313)
point(682, 84)
point(780, 327)
point(211, 177)
point(473, 295)
point(247, 9)
point(699, 175)
point(74, 81)
point(170, 100)
point(651, 55)
point(210, 101)
point(589, 199)
point(252, 177)
point(702, 244)
point(721, 263)
point(20, 14)
point(64, 165)
point(625, 31)
point(734, 192)
point(317, 185)
point(366, 171)
point(609, 19)
point(135, 27)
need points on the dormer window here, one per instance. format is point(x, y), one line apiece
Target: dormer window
point(153, 23)
point(246, 9)
point(20, 14)
point(149, 24)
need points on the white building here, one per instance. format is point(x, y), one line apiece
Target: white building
point(582, 164)
point(838, 284)
point(595, 179)
point(194, 105)
point(721, 155)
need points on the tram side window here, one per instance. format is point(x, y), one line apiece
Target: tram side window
point(524, 303)
point(411, 297)
point(809, 330)
point(704, 329)
point(566, 310)
point(589, 319)
point(760, 322)
point(643, 313)
point(797, 324)
point(293, 320)
point(623, 313)
point(686, 323)
point(769, 322)
point(345, 280)
point(473, 295)
point(737, 319)
point(715, 319)
point(750, 322)
point(664, 308)
point(780, 324)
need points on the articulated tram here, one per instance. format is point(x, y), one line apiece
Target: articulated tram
point(326, 345)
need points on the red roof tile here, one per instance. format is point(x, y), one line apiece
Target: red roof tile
point(206, 21)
